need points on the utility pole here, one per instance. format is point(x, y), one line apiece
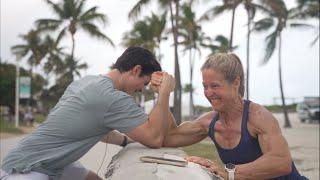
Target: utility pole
point(17, 93)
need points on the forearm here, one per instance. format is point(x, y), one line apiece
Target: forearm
point(158, 117)
point(186, 134)
point(265, 167)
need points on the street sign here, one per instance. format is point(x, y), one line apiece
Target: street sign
point(25, 87)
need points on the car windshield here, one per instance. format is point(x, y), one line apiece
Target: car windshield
point(313, 105)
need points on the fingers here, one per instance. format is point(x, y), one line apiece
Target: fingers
point(156, 78)
point(199, 160)
point(162, 80)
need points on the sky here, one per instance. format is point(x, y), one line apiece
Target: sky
point(300, 61)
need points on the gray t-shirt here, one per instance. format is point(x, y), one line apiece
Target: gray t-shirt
point(89, 109)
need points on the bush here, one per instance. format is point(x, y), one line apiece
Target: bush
point(8, 127)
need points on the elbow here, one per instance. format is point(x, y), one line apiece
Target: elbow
point(286, 167)
point(156, 142)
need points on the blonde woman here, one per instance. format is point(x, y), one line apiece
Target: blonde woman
point(246, 135)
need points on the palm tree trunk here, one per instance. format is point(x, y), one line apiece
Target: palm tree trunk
point(177, 90)
point(287, 123)
point(73, 46)
point(30, 99)
point(248, 54)
point(231, 31)
point(190, 95)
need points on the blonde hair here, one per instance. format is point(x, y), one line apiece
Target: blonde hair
point(229, 65)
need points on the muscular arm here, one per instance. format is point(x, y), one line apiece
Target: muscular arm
point(188, 132)
point(276, 159)
point(152, 132)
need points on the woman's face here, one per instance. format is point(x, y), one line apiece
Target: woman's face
point(217, 90)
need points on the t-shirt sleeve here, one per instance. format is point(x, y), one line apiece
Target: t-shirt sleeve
point(124, 114)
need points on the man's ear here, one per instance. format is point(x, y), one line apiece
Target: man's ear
point(136, 70)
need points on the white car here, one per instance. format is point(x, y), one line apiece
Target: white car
point(309, 111)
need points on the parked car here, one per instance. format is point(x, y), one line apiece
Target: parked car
point(309, 109)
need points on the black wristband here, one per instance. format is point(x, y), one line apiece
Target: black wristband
point(124, 142)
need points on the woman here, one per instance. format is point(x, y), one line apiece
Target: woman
point(247, 136)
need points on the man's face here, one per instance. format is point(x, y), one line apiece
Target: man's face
point(134, 82)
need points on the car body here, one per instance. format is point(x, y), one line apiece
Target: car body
point(309, 109)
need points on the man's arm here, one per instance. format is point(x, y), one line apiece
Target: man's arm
point(152, 132)
point(276, 159)
point(117, 138)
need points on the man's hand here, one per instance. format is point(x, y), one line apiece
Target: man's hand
point(162, 81)
point(156, 79)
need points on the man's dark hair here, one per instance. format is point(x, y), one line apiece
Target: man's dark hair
point(135, 55)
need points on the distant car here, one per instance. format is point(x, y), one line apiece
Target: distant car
point(308, 111)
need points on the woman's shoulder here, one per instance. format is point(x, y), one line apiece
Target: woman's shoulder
point(260, 116)
point(206, 118)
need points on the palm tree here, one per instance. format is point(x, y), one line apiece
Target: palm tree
point(168, 4)
point(55, 55)
point(219, 45)
point(278, 19)
point(192, 36)
point(71, 68)
point(72, 13)
point(250, 8)
point(33, 49)
point(158, 24)
point(309, 9)
point(217, 10)
point(140, 35)
point(147, 33)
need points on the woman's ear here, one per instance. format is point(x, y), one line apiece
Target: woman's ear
point(236, 82)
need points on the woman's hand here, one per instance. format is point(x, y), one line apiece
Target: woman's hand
point(199, 160)
point(211, 166)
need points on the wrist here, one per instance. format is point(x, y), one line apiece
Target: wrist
point(124, 142)
point(164, 93)
point(230, 169)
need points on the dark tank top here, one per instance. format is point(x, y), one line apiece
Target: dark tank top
point(248, 148)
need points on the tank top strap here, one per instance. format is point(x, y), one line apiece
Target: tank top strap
point(211, 126)
point(245, 117)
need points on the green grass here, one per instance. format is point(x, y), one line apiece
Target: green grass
point(8, 127)
point(39, 118)
point(203, 149)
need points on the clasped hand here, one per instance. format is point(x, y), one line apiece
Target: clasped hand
point(162, 82)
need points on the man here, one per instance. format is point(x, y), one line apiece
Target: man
point(88, 110)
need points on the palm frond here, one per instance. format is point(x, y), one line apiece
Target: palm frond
point(263, 24)
point(91, 14)
point(59, 11)
point(48, 24)
point(94, 31)
point(271, 44)
point(301, 25)
point(135, 11)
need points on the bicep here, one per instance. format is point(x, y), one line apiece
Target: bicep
point(143, 135)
